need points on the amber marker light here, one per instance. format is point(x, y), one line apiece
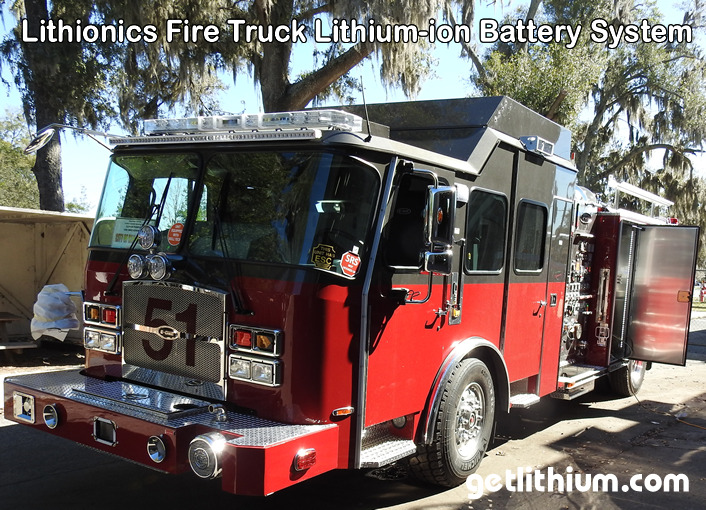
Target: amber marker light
point(265, 342)
point(93, 313)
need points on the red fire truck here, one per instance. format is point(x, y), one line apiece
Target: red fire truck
point(270, 297)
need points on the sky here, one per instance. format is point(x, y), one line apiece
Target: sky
point(85, 161)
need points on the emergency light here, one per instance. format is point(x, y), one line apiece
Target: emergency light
point(321, 119)
point(296, 125)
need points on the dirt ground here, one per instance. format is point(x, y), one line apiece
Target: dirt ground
point(50, 355)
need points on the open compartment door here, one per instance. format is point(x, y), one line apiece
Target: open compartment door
point(660, 297)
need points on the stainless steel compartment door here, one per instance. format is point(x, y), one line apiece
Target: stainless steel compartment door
point(660, 298)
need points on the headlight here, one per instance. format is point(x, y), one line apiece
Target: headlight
point(239, 368)
point(92, 339)
point(108, 341)
point(158, 267)
point(263, 373)
point(254, 370)
point(148, 237)
point(137, 266)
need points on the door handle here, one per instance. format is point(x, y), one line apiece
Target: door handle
point(538, 311)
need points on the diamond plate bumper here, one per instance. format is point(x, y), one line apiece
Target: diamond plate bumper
point(257, 459)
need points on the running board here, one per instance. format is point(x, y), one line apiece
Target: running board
point(380, 447)
point(523, 400)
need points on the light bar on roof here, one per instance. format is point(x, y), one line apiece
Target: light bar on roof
point(243, 136)
point(307, 119)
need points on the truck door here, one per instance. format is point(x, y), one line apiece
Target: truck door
point(526, 295)
point(660, 294)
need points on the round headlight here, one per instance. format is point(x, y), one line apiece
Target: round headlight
point(136, 266)
point(148, 237)
point(158, 267)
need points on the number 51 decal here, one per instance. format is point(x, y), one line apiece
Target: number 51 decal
point(167, 333)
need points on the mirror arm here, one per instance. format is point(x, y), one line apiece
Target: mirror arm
point(426, 298)
point(45, 134)
point(408, 167)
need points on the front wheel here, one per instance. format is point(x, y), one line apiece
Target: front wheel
point(627, 381)
point(463, 425)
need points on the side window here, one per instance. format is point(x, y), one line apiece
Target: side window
point(530, 237)
point(485, 231)
point(404, 233)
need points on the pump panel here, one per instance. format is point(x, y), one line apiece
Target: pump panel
point(660, 294)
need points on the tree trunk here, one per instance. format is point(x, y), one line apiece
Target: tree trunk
point(40, 83)
point(278, 93)
point(47, 170)
point(273, 68)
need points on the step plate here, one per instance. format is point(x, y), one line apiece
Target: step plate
point(381, 448)
point(524, 400)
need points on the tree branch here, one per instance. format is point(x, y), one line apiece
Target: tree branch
point(551, 113)
point(531, 13)
point(309, 14)
point(637, 150)
point(468, 48)
point(299, 94)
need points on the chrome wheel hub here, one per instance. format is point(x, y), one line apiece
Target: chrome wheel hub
point(636, 369)
point(470, 414)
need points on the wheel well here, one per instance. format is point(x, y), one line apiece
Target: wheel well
point(498, 371)
point(477, 348)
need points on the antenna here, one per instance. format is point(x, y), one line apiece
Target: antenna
point(365, 106)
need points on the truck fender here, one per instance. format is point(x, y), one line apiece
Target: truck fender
point(474, 347)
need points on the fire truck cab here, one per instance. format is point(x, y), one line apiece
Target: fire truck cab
point(269, 297)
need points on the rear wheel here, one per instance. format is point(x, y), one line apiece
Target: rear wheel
point(628, 380)
point(463, 425)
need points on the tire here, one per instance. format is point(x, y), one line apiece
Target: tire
point(627, 381)
point(463, 425)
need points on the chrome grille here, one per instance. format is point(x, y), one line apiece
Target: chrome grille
point(194, 319)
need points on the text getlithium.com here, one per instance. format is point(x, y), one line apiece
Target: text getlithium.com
point(528, 480)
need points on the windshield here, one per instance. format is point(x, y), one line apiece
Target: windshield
point(309, 209)
point(146, 189)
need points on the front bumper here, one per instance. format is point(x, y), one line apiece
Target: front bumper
point(257, 456)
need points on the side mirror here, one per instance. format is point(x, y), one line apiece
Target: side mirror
point(39, 141)
point(439, 262)
point(441, 215)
